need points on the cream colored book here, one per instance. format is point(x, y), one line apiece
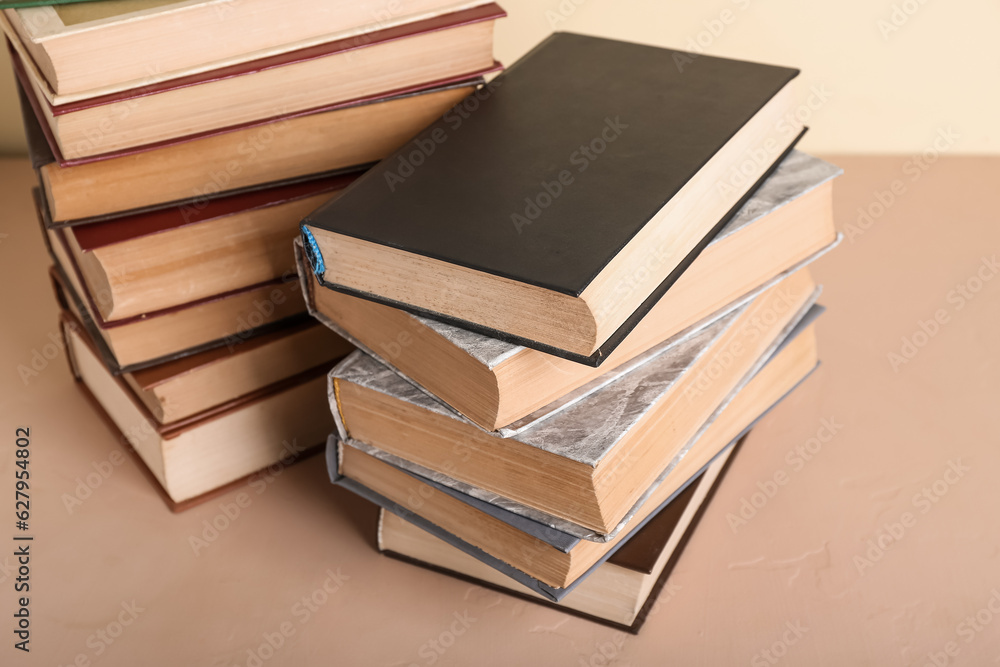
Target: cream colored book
point(402, 59)
point(167, 258)
point(217, 448)
point(194, 172)
point(90, 49)
point(184, 387)
point(156, 336)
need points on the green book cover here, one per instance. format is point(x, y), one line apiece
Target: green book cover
point(14, 4)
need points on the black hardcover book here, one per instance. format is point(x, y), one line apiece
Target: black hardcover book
point(554, 206)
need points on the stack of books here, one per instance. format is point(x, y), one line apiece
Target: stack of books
point(569, 314)
point(177, 146)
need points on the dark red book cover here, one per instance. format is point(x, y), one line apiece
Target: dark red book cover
point(101, 234)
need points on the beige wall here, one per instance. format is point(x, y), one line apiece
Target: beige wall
point(940, 69)
point(893, 92)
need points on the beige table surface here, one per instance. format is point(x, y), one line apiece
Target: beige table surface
point(796, 563)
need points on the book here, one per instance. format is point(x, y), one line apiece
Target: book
point(785, 225)
point(192, 172)
point(558, 225)
point(534, 555)
point(183, 387)
point(588, 463)
point(779, 374)
point(453, 46)
point(148, 339)
point(197, 455)
point(162, 259)
point(620, 591)
point(62, 39)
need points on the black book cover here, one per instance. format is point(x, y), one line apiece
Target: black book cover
point(590, 118)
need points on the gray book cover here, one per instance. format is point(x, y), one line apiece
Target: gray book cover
point(552, 593)
point(584, 431)
point(558, 539)
point(565, 542)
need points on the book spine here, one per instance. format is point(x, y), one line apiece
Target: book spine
point(312, 251)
